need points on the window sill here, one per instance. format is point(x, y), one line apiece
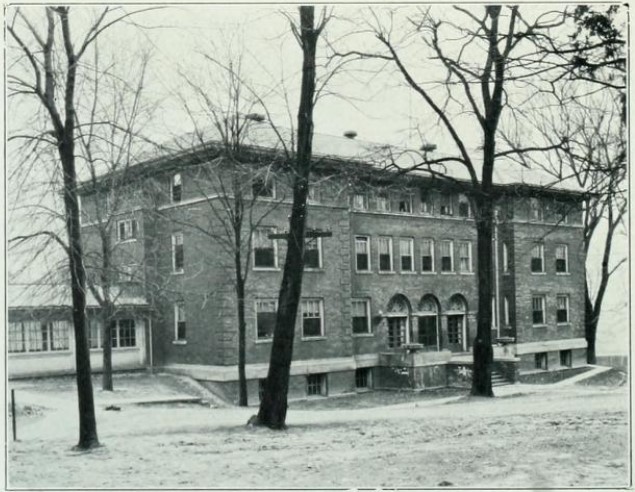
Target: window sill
point(466, 273)
point(266, 269)
point(428, 273)
point(263, 340)
point(539, 273)
point(45, 353)
point(129, 240)
point(363, 335)
point(448, 273)
point(310, 339)
point(391, 272)
point(179, 342)
point(178, 272)
point(117, 349)
point(408, 272)
point(544, 325)
point(363, 272)
point(563, 273)
point(563, 325)
point(317, 270)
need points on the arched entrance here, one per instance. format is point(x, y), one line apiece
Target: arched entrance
point(397, 317)
point(428, 325)
point(457, 324)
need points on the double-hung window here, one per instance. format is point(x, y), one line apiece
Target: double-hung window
point(383, 202)
point(176, 192)
point(562, 260)
point(427, 207)
point(536, 210)
point(446, 204)
point(126, 334)
point(127, 229)
point(313, 253)
point(361, 316)
point(406, 254)
point(385, 254)
point(264, 248)
point(405, 204)
point(179, 321)
point(178, 259)
point(427, 255)
point(447, 256)
point(312, 318)
point(265, 318)
point(465, 257)
point(538, 310)
point(465, 210)
point(538, 258)
point(362, 254)
point(562, 309)
point(360, 201)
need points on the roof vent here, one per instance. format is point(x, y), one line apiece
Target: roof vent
point(258, 118)
point(350, 134)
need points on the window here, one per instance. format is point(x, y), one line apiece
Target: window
point(178, 259)
point(427, 207)
point(362, 254)
point(565, 358)
point(316, 385)
point(562, 260)
point(538, 310)
point(537, 258)
point(265, 318)
point(536, 210)
point(562, 309)
point(427, 255)
point(314, 195)
point(506, 311)
point(125, 333)
point(465, 210)
point(264, 248)
point(494, 313)
point(541, 361)
point(385, 254)
point(561, 212)
point(94, 335)
point(312, 322)
point(360, 309)
point(313, 253)
point(406, 254)
point(383, 202)
point(360, 201)
point(465, 257)
point(405, 204)
point(126, 273)
point(505, 258)
point(17, 338)
point(179, 321)
point(447, 256)
point(396, 328)
point(263, 187)
point(177, 188)
point(127, 229)
point(446, 204)
point(362, 378)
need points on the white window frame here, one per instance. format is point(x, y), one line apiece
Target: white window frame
point(447, 205)
point(383, 203)
point(505, 258)
point(567, 308)
point(431, 254)
point(428, 209)
point(390, 253)
point(320, 304)
point(269, 301)
point(175, 243)
point(452, 269)
point(411, 252)
point(176, 180)
point(364, 201)
point(470, 268)
point(536, 210)
point(323, 381)
point(406, 198)
point(543, 302)
point(541, 250)
point(366, 303)
point(494, 313)
point(269, 230)
point(506, 312)
point(179, 308)
point(463, 198)
point(566, 259)
point(130, 233)
point(365, 240)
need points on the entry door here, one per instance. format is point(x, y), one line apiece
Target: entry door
point(428, 335)
point(456, 332)
point(396, 331)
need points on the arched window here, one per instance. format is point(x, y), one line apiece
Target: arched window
point(457, 323)
point(398, 315)
point(428, 326)
point(177, 188)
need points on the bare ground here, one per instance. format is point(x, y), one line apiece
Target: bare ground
point(560, 437)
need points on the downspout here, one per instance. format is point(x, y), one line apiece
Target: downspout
point(151, 361)
point(496, 277)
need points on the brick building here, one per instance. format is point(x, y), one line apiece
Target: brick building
point(389, 298)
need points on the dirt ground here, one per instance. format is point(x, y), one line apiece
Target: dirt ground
point(575, 436)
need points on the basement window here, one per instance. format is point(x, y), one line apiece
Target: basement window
point(565, 358)
point(362, 378)
point(541, 361)
point(316, 385)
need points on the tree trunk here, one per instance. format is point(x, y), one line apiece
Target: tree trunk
point(106, 329)
point(590, 327)
point(482, 350)
point(242, 327)
point(273, 407)
point(87, 423)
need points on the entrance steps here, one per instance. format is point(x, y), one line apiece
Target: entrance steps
point(498, 379)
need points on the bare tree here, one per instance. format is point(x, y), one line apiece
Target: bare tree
point(47, 71)
point(273, 406)
point(483, 54)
